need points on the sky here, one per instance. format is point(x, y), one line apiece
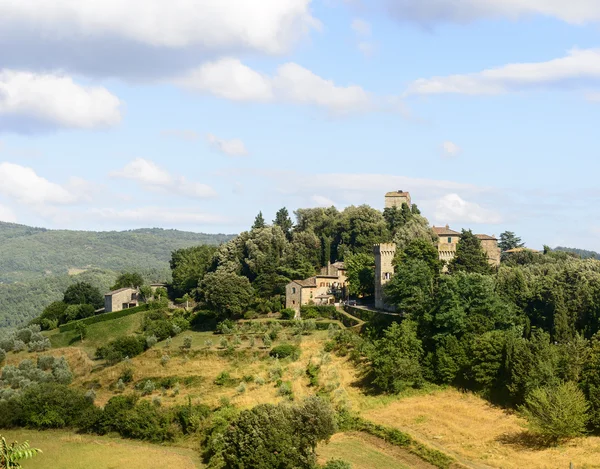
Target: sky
point(198, 114)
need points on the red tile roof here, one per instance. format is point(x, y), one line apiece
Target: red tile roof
point(484, 237)
point(445, 231)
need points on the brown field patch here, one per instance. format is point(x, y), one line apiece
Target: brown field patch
point(466, 426)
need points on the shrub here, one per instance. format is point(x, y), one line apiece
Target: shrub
point(337, 464)
point(164, 360)
point(288, 313)
point(122, 347)
point(2, 356)
point(557, 412)
point(148, 387)
point(266, 340)
point(241, 389)
point(283, 436)
point(285, 390)
point(285, 351)
point(224, 379)
point(151, 341)
point(313, 371)
point(51, 405)
point(127, 375)
point(39, 345)
point(187, 342)
point(18, 346)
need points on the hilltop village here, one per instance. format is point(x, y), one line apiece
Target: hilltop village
point(323, 289)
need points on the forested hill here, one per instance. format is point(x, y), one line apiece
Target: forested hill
point(36, 264)
point(27, 251)
point(583, 253)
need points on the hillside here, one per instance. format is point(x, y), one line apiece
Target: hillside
point(583, 253)
point(37, 265)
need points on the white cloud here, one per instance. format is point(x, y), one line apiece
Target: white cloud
point(153, 177)
point(321, 201)
point(26, 187)
point(182, 134)
point(465, 11)
point(7, 214)
point(450, 149)
point(233, 147)
point(580, 66)
point(229, 78)
point(144, 171)
point(134, 36)
point(157, 215)
point(361, 27)
point(452, 208)
point(54, 100)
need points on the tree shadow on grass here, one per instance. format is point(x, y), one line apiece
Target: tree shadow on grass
point(526, 440)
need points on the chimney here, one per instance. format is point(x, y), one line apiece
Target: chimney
point(447, 227)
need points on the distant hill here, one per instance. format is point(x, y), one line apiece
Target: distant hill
point(37, 264)
point(583, 253)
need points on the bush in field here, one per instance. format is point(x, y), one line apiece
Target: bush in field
point(288, 313)
point(557, 412)
point(118, 349)
point(283, 436)
point(337, 464)
point(285, 351)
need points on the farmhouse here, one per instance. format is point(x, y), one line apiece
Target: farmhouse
point(121, 299)
point(322, 289)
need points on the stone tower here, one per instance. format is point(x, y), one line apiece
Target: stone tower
point(396, 199)
point(384, 255)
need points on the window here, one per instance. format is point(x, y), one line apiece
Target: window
point(293, 302)
point(449, 240)
point(294, 290)
point(386, 276)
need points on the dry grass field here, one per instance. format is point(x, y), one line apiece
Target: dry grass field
point(477, 433)
point(64, 450)
point(367, 452)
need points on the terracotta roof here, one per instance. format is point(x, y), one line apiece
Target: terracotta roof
point(445, 231)
point(520, 250)
point(339, 265)
point(397, 194)
point(328, 276)
point(485, 237)
point(323, 296)
point(309, 282)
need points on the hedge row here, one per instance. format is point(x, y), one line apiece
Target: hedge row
point(353, 422)
point(103, 317)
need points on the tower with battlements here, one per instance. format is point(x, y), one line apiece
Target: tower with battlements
point(397, 199)
point(384, 269)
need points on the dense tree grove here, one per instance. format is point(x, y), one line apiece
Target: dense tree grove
point(516, 334)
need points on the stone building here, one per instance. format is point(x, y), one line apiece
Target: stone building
point(121, 299)
point(448, 240)
point(322, 289)
point(396, 199)
point(384, 270)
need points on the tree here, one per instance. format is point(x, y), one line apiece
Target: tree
point(411, 288)
point(81, 330)
point(226, 293)
point(10, 455)
point(128, 280)
point(283, 220)
point(395, 358)
point(259, 222)
point(591, 381)
point(83, 293)
point(423, 250)
point(509, 240)
point(470, 256)
point(359, 228)
point(188, 267)
point(557, 412)
point(360, 273)
point(281, 436)
point(417, 227)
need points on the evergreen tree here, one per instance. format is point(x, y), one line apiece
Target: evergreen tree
point(259, 222)
point(470, 256)
point(509, 240)
point(283, 220)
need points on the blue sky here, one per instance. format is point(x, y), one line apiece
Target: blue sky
point(196, 114)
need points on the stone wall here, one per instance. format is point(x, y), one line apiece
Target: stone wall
point(384, 270)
